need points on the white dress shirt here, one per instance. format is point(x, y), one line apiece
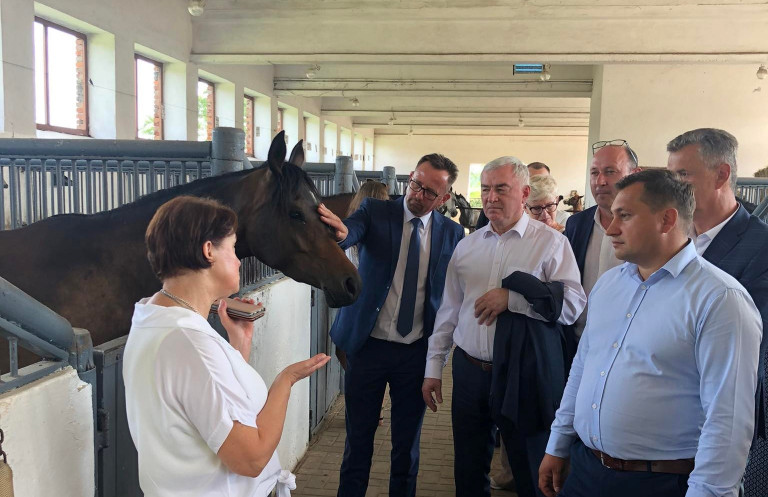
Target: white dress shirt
point(600, 258)
point(703, 240)
point(479, 263)
point(386, 323)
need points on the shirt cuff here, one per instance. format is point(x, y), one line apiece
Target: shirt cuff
point(434, 369)
point(517, 303)
point(559, 445)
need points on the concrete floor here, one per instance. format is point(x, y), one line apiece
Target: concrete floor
point(317, 474)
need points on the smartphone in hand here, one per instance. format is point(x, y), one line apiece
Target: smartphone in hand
point(241, 310)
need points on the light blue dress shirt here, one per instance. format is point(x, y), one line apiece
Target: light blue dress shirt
point(666, 369)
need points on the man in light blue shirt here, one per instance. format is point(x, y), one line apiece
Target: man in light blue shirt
point(666, 371)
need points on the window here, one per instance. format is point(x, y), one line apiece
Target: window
point(149, 99)
point(474, 185)
point(206, 110)
point(248, 105)
point(61, 98)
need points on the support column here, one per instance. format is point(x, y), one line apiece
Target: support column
point(227, 150)
point(345, 180)
point(390, 178)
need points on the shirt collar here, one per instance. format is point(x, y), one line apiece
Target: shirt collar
point(673, 267)
point(711, 233)
point(597, 220)
point(409, 215)
point(520, 226)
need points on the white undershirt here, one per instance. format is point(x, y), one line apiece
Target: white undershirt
point(703, 240)
point(386, 323)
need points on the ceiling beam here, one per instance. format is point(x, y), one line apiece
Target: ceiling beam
point(468, 113)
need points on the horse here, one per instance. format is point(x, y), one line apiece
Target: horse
point(92, 268)
point(467, 218)
point(450, 207)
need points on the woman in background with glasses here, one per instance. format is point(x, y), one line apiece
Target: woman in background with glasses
point(543, 202)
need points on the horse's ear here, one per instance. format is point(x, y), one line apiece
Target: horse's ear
point(277, 151)
point(297, 154)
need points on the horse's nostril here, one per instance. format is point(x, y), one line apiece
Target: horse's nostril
point(351, 285)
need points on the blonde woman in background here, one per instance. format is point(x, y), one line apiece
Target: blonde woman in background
point(368, 189)
point(543, 202)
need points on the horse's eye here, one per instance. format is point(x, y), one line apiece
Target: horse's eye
point(297, 216)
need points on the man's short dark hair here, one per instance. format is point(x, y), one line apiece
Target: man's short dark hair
point(663, 189)
point(442, 163)
point(716, 146)
point(539, 166)
point(178, 230)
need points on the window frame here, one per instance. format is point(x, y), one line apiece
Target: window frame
point(209, 134)
point(136, 58)
point(81, 36)
point(250, 118)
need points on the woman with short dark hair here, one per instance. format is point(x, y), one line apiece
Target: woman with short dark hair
point(201, 417)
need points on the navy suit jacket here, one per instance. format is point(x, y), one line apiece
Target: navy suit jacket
point(377, 228)
point(578, 230)
point(740, 250)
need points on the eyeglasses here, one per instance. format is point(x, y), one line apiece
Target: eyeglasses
point(537, 209)
point(615, 143)
point(418, 187)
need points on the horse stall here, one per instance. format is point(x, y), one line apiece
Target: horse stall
point(70, 406)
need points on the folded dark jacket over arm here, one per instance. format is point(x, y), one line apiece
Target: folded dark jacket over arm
point(529, 359)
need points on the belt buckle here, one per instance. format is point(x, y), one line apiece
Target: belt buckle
point(616, 466)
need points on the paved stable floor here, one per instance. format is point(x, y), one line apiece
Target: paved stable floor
point(317, 474)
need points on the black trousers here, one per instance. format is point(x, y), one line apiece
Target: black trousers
point(368, 372)
point(473, 436)
point(589, 478)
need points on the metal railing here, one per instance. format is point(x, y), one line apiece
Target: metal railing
point(753, 190)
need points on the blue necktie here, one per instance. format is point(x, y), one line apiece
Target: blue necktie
point(408, 297)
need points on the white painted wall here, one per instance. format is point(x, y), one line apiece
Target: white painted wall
point(281, 338)
point(565, 155)
point(648, 105)
point(48, 429)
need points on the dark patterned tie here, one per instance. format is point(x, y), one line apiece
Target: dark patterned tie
point(408, 297)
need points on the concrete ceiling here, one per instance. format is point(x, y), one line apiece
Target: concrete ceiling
point(445, 67)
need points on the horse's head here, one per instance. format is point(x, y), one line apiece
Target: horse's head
point(284, 230)
point(449, 208)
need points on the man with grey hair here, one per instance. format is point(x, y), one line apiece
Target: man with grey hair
point(726, 235)
point(479, 288)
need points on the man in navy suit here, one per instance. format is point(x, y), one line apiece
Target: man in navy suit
point(728, 237)
point(404, 249)
point(611, 161)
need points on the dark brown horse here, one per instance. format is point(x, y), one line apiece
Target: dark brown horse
point(92, 268)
